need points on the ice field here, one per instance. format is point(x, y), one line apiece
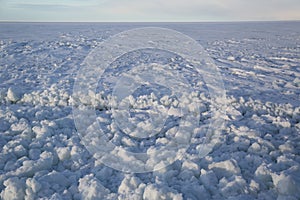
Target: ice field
point(156, 112)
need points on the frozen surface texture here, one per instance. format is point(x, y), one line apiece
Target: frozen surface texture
point(255, 157)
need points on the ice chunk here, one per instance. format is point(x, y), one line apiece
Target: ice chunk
point(14, 189)
point(19, 126)
point(209, 179)
point(4, 125)
point(231, 58)
point(55, 178)
point(63, 153)
point(175, 112)
point(263, 174)
point(14, 94)
point(191, 166)
point(131, 188)
point(225, 168)
point(153, 192)
point(34, 153)
point(90, 188)
point(33, 184)
point(288, 182)
point(286, 148)
point(195, 191)
point(41, 132)
point(286, 185)
point(254, 148)
point(129, 184)
point(30, 167)
point(232, 187)
point(20, 151)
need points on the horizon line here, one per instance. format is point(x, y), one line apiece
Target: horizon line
point(204, 21)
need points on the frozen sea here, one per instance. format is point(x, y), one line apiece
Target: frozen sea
point(256, 153)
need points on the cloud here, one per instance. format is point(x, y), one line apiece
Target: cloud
point(198, 10)
point(54, 3)
point(40, 7)
point(155, 10)
point(264, 9)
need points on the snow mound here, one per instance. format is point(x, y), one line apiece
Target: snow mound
point(14, 94)
point(91, 188)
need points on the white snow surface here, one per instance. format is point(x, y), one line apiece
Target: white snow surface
point(257, 155)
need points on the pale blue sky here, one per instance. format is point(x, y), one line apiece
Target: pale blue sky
point(150, 10)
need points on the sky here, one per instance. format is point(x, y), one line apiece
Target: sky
point(148, 10)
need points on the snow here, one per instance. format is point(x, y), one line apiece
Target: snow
point(33, 184)
point(152, 192)
point(242, 146)
point(14, 189)
point(90, 188)
point(63, 153)
point(14, 94)
point(226, 168)
point(287, 183)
